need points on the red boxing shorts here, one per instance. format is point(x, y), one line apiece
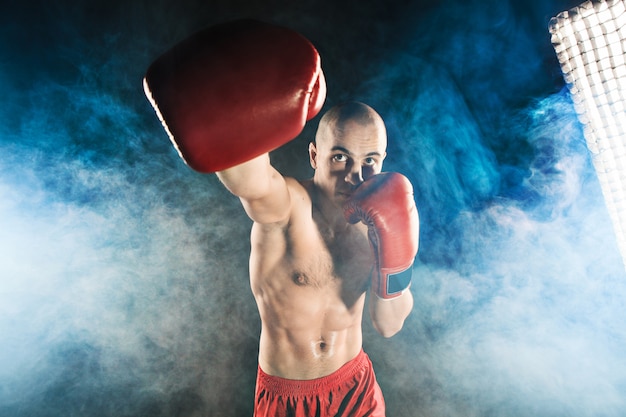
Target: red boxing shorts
point(351, 391)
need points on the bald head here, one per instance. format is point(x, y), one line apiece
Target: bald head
point(337, 119)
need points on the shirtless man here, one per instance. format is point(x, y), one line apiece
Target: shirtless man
point(317, 248)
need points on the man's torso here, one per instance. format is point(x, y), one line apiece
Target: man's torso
point(309, 280)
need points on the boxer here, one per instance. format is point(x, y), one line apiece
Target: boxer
point(229, 95)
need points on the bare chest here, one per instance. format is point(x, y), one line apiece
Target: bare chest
point(330, 257)
point(311, 255)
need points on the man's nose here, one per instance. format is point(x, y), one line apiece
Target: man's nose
point(354, 176)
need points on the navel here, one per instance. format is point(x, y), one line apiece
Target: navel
point(323, 347)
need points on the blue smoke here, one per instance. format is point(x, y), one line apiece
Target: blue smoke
point(123, 274)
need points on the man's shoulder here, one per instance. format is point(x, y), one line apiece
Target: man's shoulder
point(305, 184)
point(301, 192)
point(299, 188)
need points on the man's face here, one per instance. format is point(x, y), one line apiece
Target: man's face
point(344, 158)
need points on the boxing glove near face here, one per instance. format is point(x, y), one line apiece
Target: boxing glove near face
point(385, 204)
point(234, 91)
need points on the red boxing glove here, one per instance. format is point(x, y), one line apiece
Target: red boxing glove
point(234, 91)
point(385, 204)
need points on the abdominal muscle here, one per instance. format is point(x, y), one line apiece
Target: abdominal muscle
point(301, 340)
point(310, 316)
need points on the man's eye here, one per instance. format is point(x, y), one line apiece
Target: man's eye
point(370, 161)
point(340, 158)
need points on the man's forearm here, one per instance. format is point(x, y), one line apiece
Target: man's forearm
point(388, 315)
point(247, 180)
point(260, 187)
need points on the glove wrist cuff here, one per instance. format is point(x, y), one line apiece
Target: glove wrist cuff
point(391, 285)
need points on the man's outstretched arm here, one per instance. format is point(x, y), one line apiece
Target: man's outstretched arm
point(230, 94)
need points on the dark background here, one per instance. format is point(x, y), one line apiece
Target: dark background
point(123, 273)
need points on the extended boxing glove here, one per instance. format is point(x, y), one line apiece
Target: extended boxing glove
point(385, 204)
point(234, 91)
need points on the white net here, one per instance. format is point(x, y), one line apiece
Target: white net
point(590, 43)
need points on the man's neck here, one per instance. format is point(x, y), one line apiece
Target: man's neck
point(330, 212)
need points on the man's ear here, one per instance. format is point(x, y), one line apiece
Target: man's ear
point(313, 155)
